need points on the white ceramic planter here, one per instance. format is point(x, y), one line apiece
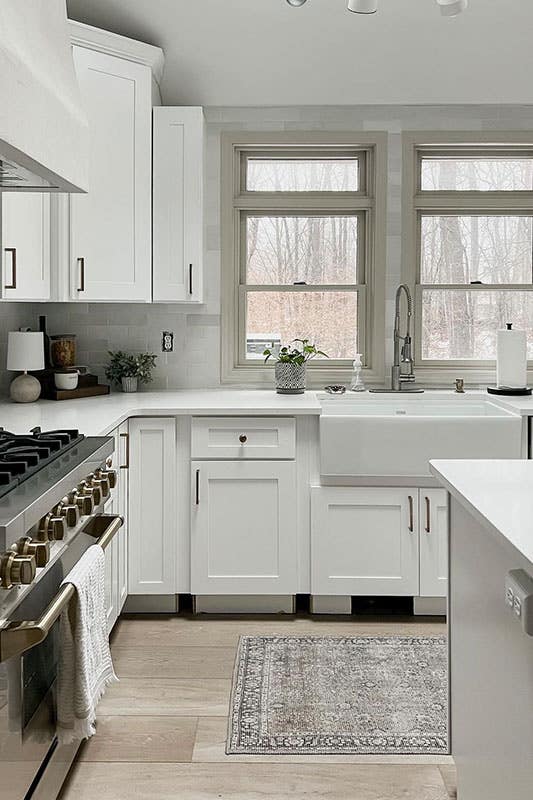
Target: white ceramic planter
point(290, 378)
point(129, 384)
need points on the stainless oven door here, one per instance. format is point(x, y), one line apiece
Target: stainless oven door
point(28, 747)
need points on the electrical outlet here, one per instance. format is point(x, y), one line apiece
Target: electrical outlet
point(167, 342)
point(519, 597)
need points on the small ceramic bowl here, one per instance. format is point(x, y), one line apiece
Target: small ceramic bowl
point(67, 379)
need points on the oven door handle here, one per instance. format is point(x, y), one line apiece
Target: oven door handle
point(21, 636)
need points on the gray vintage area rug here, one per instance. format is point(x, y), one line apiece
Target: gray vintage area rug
point(335, 696)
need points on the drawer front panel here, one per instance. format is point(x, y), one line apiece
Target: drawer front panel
point(243, 438)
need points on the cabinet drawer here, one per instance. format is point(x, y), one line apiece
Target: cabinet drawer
point(242, 437)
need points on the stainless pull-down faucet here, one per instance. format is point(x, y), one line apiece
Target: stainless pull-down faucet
point(402, 368)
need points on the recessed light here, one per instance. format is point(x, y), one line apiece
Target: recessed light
point(296, 3)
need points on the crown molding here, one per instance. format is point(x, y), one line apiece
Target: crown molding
point(113, 44)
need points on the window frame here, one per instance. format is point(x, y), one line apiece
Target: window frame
point(417, 203)
point(368, 203)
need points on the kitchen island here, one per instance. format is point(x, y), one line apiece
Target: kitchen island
point(491, 656)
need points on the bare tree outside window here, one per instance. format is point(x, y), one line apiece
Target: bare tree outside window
point(478, 250)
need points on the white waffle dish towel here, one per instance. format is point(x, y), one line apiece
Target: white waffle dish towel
point(85, 667)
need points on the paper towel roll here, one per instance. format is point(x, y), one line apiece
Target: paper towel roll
point(511, 358)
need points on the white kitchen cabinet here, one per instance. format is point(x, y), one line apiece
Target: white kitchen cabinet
point(152, 517)
point(110, 226)
point(178, 218)
point(243, 528)
point(25, 246)
point(364, 541)
point(433, 542)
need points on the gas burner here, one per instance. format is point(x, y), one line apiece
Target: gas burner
point(22, 455)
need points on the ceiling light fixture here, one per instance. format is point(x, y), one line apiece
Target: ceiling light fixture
point(451, 8)
point(363, 6)
point(448, 8)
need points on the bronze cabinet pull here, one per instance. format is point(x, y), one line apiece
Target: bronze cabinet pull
point(81, 262)
point(13, 251)
point(190, 279)
point(197, 487)
point(126, 436)
point(243, 438)
point(428, 515)
point(411, 515)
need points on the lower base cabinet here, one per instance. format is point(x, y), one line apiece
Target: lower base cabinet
point(378, 541)
point(243, 528)
point(364, 541)
point(433, 542)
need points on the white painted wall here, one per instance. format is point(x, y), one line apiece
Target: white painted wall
point(196, 360)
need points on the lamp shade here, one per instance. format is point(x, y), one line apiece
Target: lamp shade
point(25, 351)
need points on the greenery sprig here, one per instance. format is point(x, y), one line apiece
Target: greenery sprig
point(295, 355)
point(128, 365)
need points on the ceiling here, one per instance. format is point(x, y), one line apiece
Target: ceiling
point(264, 52)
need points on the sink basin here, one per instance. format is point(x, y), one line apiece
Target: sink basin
point(399, 435)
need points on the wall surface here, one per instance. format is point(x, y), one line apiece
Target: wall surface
point(195, 362)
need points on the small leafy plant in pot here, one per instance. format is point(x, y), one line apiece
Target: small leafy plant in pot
point(291, 363)
point(128, 370)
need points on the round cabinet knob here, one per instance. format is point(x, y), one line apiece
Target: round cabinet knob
point(57, 528)
point(16, 569)
point(25, 546)
point(243, 438)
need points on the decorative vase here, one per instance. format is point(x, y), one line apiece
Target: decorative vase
point(129, 384)
point(290, 378)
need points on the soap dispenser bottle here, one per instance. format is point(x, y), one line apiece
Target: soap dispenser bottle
point(357, 384)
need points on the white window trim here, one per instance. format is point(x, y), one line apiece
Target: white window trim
point(233, 370)
point(439, 373)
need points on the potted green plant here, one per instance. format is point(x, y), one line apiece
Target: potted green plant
point(127, 369)
point(290, 368)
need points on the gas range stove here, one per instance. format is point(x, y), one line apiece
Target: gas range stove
point(22, 455)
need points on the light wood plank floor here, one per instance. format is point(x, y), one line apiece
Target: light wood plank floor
point(162, 729)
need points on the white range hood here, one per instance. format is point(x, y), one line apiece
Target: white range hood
point(43, 128)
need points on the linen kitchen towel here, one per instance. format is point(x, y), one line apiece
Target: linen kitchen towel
point(85, 666)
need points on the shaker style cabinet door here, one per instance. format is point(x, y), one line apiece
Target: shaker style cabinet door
point(364, 541)
point(110, 226)
point(25, 246)
point(178, 177)
point(152, 519)
point(243, 528)
point(433, 542)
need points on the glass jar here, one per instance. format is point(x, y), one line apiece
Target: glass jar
point(63, 350)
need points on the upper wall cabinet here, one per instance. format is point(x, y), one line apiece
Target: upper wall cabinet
point(110, 226)
point(25, 246)
point(178, 178)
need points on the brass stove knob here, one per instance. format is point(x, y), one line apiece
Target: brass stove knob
point(70, 511)
point(102, 484)
point(26, 546)
point(44, 533)
point(109, 474)
point(94, 492)
point(57, 528)
point(84, 502)
point(16, 570)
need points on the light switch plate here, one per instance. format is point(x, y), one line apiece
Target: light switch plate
point(519, 597)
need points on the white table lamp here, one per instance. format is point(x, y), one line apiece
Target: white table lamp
point(25, 351)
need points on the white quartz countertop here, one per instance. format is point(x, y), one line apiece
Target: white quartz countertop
point(99, 415)
point(498, 493)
